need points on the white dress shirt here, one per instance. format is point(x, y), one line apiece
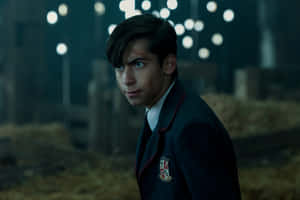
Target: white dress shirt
point(154, 111)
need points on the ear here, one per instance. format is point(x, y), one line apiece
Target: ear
point(169, 64)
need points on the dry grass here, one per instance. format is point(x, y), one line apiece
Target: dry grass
point(102, 181)
point(34, 143)
point(90, 177)
point(245, 118)
point(52, 134)
point(280, 183)
point(86, 181)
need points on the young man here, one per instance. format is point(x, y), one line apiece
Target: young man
point(183, 152)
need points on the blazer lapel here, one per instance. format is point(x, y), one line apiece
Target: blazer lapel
point(170, 108)
point(155, 142)
point(152, 148)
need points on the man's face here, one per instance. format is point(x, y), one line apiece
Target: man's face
point(142, 79)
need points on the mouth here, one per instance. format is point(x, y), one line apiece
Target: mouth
point(132, 93)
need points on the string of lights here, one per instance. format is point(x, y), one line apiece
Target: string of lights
point(183, 29)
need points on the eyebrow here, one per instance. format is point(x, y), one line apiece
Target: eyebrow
point(136, 59)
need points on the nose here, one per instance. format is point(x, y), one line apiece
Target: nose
point(128, 76)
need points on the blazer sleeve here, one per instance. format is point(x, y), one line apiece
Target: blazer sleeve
point(207, 163)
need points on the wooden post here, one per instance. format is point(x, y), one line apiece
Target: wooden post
point(248, 83)
point(100, 108)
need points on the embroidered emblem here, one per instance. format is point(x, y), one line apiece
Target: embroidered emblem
point(164, 169)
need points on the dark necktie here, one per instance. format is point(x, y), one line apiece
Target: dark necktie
point(146, 136)
point(145, 140)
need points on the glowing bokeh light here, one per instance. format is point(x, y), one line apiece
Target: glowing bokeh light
point(217, 39)
point(61, 49)
point(172, 4)
point(52, 17)
point(111, 28)
point(189, 24)
point(123, 5)
point(187, 42)
point(63, 9)
point(164, 13)
point(204, 53)
point(228, 15)
point(179, 28)
point(132, 13)
point(155, 13)
point(171, 22)
point(212, 6)
point(146, 5)
point(99, 8)
point(199, 25)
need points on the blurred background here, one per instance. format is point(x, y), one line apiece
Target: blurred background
point(67, 133)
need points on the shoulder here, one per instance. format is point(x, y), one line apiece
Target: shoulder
point(195, 110)
point(196, 119)
point(184, 108)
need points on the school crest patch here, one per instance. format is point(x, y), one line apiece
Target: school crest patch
point(164, 169)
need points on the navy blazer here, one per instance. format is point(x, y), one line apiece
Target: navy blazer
point(189, 154)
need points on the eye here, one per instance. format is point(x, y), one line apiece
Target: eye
point(139, 64)
point(119, 68)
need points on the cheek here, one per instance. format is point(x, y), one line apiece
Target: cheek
point(152, 81)
point(118, 79)
point(145, 79)
point(149, 78)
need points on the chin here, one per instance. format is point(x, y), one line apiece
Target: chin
point(132, 102)
point(135, 103)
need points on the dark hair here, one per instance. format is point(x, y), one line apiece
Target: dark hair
point(161, 35)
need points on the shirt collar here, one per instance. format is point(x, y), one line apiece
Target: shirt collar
point(154, 111)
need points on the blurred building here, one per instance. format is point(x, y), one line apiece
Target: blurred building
point(23, 61)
